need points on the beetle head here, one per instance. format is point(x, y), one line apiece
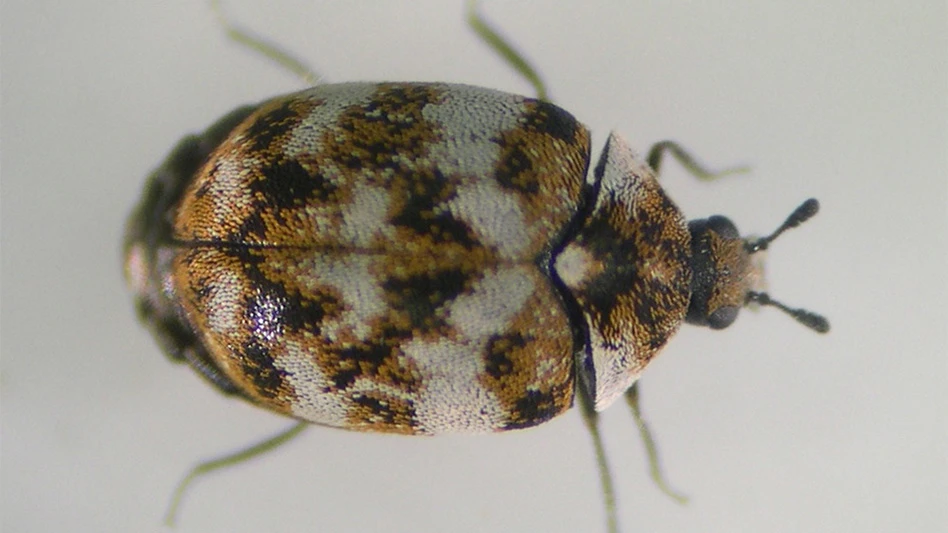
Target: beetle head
point(726, 274)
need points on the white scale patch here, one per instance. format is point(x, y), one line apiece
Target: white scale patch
point(137, 270)
point(495, 301)
point(471, 119)
point(625, 173)
point(228, 191)
point(572, 265)
point(365, 217)
point(311, 402)
point(453, 400)
point(361, 295)
point(164, 259)
point(224, 306)
point(336, 99)
point(494, 215)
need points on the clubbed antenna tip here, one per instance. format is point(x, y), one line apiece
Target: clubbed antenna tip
point(801, 214)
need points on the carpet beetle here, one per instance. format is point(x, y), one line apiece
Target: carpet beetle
point(424, 258)
point(421, 258)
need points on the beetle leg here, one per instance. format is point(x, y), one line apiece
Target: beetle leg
point(268, 50)
point(657, 152)
point(233, 459)
point(655, 470)
point(591, 419)
point(501, 45)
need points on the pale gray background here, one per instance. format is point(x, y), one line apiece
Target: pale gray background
point(769, 427)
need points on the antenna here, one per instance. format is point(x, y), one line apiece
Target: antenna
point(800, 215)
point(816, 322)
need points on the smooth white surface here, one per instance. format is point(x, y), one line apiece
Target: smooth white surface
point(767, 426)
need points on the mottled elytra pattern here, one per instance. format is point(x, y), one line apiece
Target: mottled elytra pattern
point(409, 258)
point(372, 256)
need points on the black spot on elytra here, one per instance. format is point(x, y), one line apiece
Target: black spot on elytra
point(553, 121)
point(396, 98)
point(515, 171)
point(251, 229)
point(386, 155)
point(257, 363)
point(285, 184)
point(354, 161)
point(383, 410)
point(419, 212)
point(343, 378)
point(420, 296)
point(303, 314)
point(274, 309)
point(498, 363)
point(359, 361)
point(272, 125)
point(204, 289)
point(386, 129)
point(377, 359)
point(534, 407)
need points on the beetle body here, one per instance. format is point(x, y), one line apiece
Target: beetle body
point(419, 258)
